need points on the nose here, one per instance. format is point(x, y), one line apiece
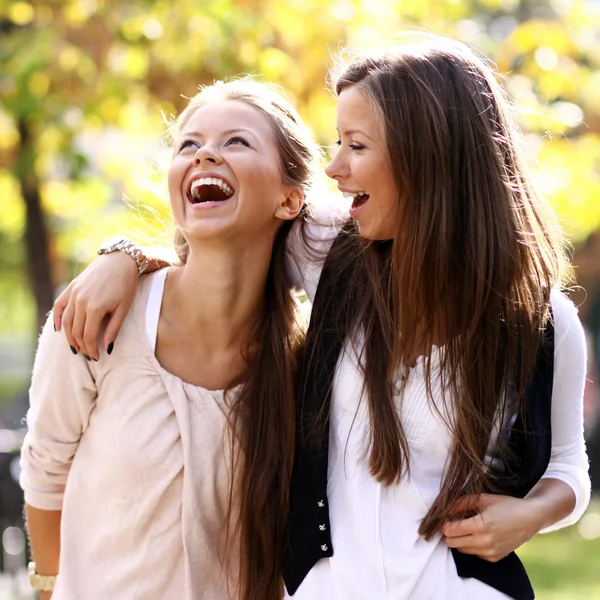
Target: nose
point(337, 167)
point(206, 154)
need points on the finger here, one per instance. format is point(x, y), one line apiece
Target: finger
point(468, 526)
point(59, 307)
point(93, 320)
point(476, 551)
point(79, 316)
point(489, 555)
point(461, 541)
point(113, 327)
point(67, 326)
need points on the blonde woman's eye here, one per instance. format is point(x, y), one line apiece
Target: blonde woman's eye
point(186, 144)
point(237, 140)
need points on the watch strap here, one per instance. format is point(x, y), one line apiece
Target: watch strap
point(132, 249)
point(41, 583)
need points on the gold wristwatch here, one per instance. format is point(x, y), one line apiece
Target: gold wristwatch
point(41, 583)
point(127, 246)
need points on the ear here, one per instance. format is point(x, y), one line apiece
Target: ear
point(290, 206)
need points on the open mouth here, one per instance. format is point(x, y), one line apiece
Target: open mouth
point(209, 189)
point(358, 199)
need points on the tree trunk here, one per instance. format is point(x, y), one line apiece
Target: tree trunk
point(36, 231)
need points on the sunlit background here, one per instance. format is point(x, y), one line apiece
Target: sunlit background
point(85, 86)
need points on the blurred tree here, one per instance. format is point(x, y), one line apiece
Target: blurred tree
point(84, 82)
point(76, 68)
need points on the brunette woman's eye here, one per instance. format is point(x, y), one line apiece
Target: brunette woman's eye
point(338, 142)
point(237, 140)
point(357, 146)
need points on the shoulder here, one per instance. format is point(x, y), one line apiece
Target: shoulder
point(569, 336)
point(326, 218)
point(133, 331)
point(310, 241)
point(564, 312)
point(56, 366)
point(314, 232)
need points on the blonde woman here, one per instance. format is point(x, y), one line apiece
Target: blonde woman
point(162, 470)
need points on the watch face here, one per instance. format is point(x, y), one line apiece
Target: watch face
point(110, 245)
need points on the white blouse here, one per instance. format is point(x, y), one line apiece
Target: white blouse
point(378, 553)
point(138, 463)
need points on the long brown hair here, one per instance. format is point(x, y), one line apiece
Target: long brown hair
point(473, 259)
point(262, 414)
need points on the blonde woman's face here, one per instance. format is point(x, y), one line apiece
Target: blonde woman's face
point(361, 167)
point(224, 178)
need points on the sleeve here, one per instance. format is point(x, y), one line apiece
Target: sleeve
point(61, 398)
point(568, 461)
point(310, 241)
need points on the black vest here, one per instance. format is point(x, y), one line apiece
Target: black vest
point(309, 537)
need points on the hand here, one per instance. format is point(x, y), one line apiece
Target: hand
point(105, 288)
point(501, 524)
point(45, 595)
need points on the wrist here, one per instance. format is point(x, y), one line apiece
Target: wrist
point(125, 264)
point(41, 581)
point(126, 246)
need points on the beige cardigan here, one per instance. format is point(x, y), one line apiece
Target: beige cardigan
point(138, 462)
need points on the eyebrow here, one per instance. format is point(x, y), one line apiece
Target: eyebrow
point(352, 131)
point(228, 132)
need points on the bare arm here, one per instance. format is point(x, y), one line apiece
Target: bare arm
point(43, 527)
point(553, 500)
point(104, 290)
point(504, 523)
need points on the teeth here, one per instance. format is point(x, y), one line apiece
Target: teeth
point(354, 194)
point(212, 181)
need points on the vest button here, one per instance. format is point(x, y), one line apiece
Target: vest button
point(321, 503)
point(324, 547)
point(322, 527)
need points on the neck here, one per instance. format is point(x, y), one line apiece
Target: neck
point(218, 293)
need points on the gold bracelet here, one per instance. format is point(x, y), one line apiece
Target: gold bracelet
point(41, 583)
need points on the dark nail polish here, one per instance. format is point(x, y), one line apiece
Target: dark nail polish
point(73, 350)
point(110, 348)
point(87, 357)
point(94, 359)
point(53, 325)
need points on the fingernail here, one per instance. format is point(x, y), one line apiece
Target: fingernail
point(110, 348)
point(73, 350)
point(53, 325)
point(87, 357)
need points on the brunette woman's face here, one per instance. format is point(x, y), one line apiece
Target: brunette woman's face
point(361, 167)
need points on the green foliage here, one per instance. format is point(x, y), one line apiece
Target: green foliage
point(92, 80)
point(563, 565)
